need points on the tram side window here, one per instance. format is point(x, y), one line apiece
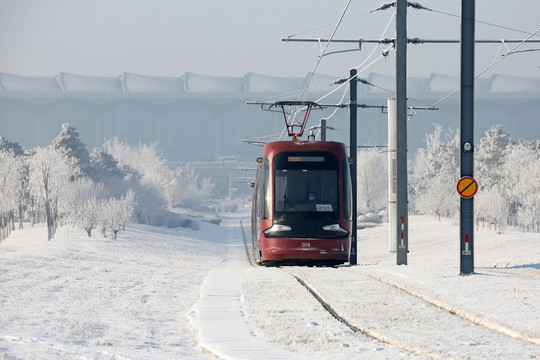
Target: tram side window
point(264, 191)
point(347, 190)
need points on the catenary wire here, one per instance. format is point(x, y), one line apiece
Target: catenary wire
point(510, 52)
point(382, 7)
point(478, 21)
point(324, 50)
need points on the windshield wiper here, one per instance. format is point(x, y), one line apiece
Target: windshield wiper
point(292, 206)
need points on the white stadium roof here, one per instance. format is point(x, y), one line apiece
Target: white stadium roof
point(251, 86)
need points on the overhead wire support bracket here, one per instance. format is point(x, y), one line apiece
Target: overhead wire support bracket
point(324, 106)
point(414, 41)
point(349, 41)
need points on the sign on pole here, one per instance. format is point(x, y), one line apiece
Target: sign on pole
point(467, 187)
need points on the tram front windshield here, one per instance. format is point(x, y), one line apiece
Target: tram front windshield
point(306, 185)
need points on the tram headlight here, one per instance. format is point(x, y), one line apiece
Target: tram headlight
point(335, 228)
point(277, 228)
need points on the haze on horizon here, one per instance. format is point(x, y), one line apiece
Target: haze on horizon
point(169, 38)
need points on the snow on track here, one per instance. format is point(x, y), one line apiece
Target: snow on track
point(408, 322)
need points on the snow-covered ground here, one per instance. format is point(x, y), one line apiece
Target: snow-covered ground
point(172, 293)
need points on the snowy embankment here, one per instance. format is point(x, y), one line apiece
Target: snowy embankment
point(168, 293)
point(76, 296)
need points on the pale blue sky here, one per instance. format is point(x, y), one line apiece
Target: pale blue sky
point(230, 38)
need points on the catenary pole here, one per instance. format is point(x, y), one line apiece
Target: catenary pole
point(466, 217)
point(401, 223)
point(353, 108)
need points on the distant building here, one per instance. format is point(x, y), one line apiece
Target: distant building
point(199, 118)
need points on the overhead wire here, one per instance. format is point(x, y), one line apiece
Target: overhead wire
point(337, 108)
point(292, 93)
point(509, 52)
point(383, 54)
point(292, 117)
point(319, 58)
point(362, 64)
point(357, 67)
point(478, 21)
point(382, 7)
point(367, 58)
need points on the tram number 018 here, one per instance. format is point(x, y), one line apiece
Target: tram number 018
point(306, 245)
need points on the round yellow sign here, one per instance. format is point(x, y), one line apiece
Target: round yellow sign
point(467, 187)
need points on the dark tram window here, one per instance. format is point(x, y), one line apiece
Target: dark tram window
point(306, 184)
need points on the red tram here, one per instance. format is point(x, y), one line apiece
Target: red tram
point(302, 204)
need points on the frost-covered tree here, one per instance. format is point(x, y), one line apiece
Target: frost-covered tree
point(104, 167)
point(49, 175)
point(492, 204)
point(145, 158)
point(23, 195)
point(437, 171)
point(143, 165)
point(192, 191)
point(508, 174)
point(17, 150)
point(77, 193)
point(173, 187)
point(521, 169)
point(14, 147)
point(69, 144)
point(11, 177)
point(115, 214)
point(372, 183)
point(528, 215)
point(490, 156)
point(436, 198)
point(88, 215)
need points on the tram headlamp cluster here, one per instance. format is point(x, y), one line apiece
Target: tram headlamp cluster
point(335, 228)
point(277, 228)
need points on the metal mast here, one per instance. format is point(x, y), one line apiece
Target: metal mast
point(401, 128)
point(466, 233)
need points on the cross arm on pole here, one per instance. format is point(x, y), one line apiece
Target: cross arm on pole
point(414, 41)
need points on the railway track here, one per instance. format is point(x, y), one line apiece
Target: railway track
point(409, 320)
point(364, 331)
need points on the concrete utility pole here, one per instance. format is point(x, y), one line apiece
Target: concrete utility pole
point(466, 233)
point(323, 129)
point(392, 176)
point(401, 221)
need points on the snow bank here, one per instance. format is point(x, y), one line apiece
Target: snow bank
point(143, 296)
point(76, 296)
